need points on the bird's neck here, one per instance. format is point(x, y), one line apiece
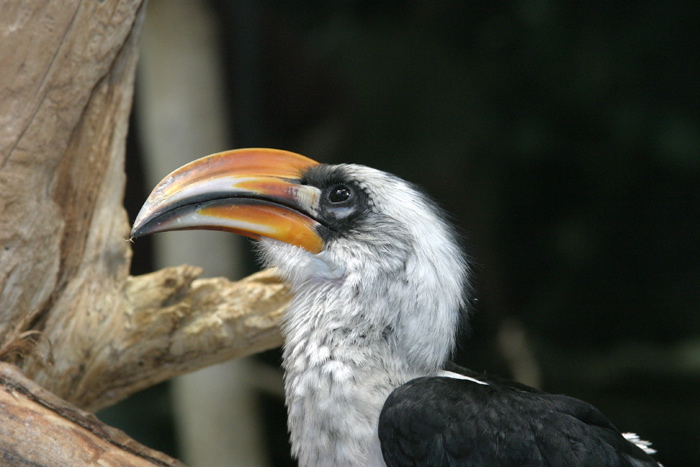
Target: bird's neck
point(342, 360)
point(356, 329)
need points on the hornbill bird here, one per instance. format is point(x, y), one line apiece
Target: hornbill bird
point(379, 284)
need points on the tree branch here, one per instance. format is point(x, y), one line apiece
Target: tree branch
point(170, 324)
point(51, 432)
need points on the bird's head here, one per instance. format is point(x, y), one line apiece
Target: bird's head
point(368, 245)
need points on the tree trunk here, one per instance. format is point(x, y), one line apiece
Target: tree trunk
point(72, 319)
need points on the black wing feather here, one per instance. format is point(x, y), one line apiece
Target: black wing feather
point(438, 421)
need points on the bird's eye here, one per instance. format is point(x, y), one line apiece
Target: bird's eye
point(339, 194)
point(341, 202)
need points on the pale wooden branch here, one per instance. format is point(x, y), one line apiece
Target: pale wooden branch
point(170, 324)
point(39, 429)
point(164, 324)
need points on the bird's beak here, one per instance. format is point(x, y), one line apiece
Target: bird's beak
point(253, 192)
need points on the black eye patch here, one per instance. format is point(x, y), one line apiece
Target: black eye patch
point(342, 202)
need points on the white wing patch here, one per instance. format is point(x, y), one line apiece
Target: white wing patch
point(642, 444)
point(452, 374)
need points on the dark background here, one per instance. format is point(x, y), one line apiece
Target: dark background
point(563, 137)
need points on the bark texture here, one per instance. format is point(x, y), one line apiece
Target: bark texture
point(167, 324)
point(40, 429)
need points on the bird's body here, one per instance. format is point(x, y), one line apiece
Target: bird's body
point(359, 325)
point(442, 421)
point(379, 282)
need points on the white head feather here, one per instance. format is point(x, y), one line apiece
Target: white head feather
point(378, 306)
